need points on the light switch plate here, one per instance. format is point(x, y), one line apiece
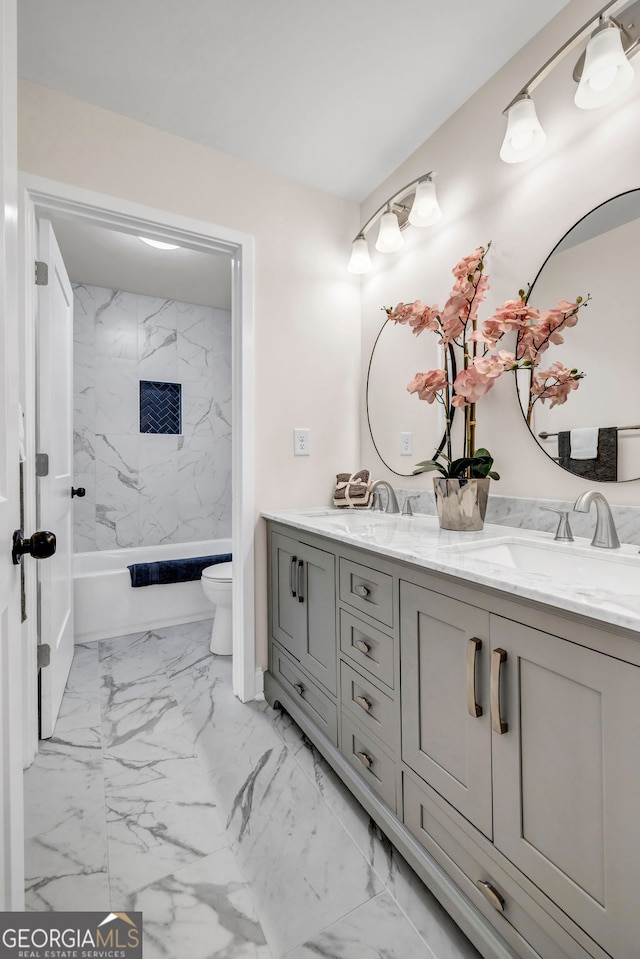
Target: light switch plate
point(301, 444)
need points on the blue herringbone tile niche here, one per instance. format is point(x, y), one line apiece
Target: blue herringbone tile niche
point(160, 407)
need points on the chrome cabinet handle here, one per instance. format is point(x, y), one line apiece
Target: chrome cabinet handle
point(299, 688)
point(491, 894)
point(292, 576)
point(300, 581)
point(474, 645)
point(365, 760)
point(498, 657)
point(363, 703)
point(362, 590)
point(362, 646)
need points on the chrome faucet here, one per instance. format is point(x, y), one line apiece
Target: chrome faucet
point(392, 500)
point(606, 534)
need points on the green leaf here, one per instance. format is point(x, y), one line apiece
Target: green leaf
point(429, 466)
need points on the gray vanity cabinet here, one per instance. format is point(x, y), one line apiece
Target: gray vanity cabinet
point(303, 602)
point(567, 778)
point(446, 726)
point(502, 759)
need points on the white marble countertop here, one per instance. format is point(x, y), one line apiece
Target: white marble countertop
point(599, 583)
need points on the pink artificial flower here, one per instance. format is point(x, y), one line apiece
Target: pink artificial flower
point(428, 385)
point(508, 359)
point(427, 319)
point(473, 383)
point(555, 384)
point(468, 265)
point(405, 312)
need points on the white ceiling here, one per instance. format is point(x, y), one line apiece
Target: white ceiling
point(334, 93)
point(98, 256)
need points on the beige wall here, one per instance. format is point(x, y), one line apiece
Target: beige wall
point(524, 209)
point(307, 310)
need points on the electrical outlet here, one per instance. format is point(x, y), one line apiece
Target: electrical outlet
point(406, 444)
point(301, 442)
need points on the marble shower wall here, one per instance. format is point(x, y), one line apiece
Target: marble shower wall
point(144, 489)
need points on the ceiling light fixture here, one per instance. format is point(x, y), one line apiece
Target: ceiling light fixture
point(159, 244)
point(603, 72)
point(415, 204)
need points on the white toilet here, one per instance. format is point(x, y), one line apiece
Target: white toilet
point(217, 582)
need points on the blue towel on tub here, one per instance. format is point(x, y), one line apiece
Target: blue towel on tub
point(173, 570)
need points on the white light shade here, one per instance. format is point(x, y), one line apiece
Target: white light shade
point(425, 210)
point(524, 137)
point(390, 238)
point(606, 72)
point(159, 244)
point(360, 261)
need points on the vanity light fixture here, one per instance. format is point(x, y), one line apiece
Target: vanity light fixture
point(602, 73)
point(415, 204)
point(390, 239)
point(159, 244)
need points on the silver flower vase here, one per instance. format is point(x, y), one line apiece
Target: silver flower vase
point(461, 503)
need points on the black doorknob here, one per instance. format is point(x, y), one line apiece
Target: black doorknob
point(40, 545)
point(80, 491)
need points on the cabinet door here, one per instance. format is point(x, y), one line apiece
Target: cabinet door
point(303, 601)
point(287, 615)
point(317, 598)
point(446, 732)
point(567, 778)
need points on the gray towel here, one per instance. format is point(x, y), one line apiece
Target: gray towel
point(604, 468)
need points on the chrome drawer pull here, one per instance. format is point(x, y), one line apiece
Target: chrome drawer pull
point(362, 646)
point(363, 703)
point(491, 894)
point(362, 590)
point(474, 645)
point(365, 760)
point(498, 657)
point(299, 688)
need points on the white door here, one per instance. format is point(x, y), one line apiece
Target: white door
point(11, 828)
point(55, 439)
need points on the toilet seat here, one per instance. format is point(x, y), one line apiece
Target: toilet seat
point(220, 573)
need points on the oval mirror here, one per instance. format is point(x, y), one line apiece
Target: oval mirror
point(404, 429)
point(596, 432)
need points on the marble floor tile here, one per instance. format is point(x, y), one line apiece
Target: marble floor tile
point(201, 911)
point(160, 824)
point(374, 930)
point(222, 727)
point(429, 917)
point(277, 821)
point(81, 701)
point(65, 781)
point(67, 866)
point(219, 820)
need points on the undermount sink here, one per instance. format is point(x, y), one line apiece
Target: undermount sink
point(565, 563)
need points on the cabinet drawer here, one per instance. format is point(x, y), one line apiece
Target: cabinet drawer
point(368, 590)
point(524, 924)
point(368, 647)
point(308, 697)
point(373, 708)
point(368, 756)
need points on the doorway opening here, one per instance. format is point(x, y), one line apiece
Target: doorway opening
point(81, 212)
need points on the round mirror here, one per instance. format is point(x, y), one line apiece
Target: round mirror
point(596, 432)
point(404, 430)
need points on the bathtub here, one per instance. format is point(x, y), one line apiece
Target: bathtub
point(106, 605)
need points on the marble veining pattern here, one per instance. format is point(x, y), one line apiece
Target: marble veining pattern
point(418, 539)
point(135, 494)
point(161, 792)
